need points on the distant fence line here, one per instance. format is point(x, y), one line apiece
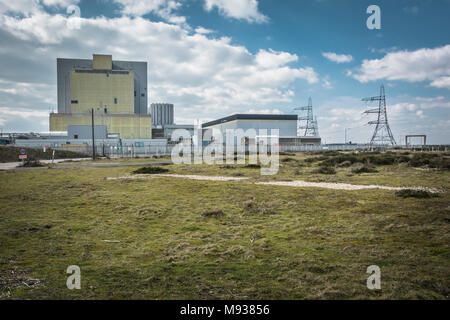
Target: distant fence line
point(160, 147)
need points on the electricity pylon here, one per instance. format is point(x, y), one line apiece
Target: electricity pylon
point(382, 133)
point(311, 128)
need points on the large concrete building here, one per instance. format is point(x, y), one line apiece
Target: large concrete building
point(285, 123)
point(116, 90)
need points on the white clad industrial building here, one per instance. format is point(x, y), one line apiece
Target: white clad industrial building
point(286, 124)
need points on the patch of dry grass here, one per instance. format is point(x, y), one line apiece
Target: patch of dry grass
point(272, 242)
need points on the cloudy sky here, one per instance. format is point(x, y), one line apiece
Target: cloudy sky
point(212, 58)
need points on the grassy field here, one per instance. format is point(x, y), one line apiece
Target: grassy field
point(185, 239)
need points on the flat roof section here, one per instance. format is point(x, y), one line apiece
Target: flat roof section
point(247, 116)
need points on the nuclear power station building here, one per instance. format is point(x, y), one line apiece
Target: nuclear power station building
point(115, 90)
point(109, 99)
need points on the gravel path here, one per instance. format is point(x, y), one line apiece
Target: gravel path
point(184, 176)
point(297, 183)
point(339, 186)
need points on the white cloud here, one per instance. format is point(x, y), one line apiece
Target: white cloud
point(14, 92)
point(142, 7)
point(411, 66)
point(27, 7)
point(272, 59)
point(202, 30)
point(338, 58)
point(162, 8)
point(204, 76)
point(12, 119)
point(326, 83)
point(237, 9)
point(442, 82)
point(264, 111)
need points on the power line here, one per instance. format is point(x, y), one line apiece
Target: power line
point(311, 128)
point(382, 133)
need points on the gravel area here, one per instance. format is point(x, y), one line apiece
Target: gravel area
point(192, 177)
point(297, 183)
point(339, 186)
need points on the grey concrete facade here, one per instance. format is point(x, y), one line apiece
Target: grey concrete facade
point(64, 66)
point(162, 114)
point(85, 132)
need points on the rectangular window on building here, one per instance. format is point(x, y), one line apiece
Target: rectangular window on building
point(75, 136)
point(115, 100)
point(135, 93)
point(74, 101)
point(143, 95)
point(106, 110)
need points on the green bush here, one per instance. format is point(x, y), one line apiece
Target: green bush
point(286, 154)
point(150, 170)
point(340, 158)
point(227, 166)
point(288, 159)
point(364, 169)
point(344, 164)
point(431, 160)
point(326, 170)
point(381, 159)
point(253, 166)
point(442, 163)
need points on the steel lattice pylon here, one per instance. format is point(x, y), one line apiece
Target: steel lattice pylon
point(311, 128)
point(382, 133)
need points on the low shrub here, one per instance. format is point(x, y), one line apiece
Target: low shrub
point(253, 166)
point(31, 163)
point(412, 193)
point(431, 160)
point(325, 170)
point(288, 159)
point(421, 159)
point(381, 159)
point(340, 159)
point(254, 207)
point(315, 159)
point(286, 154)
point(364, 169)
point(227, 166)
point(150, 170)
point(213, 213)
point(344, 164)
